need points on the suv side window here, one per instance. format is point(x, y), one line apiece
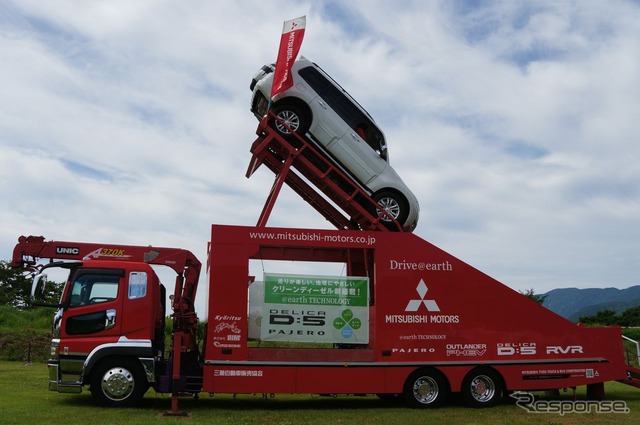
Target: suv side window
point(317, 81)
point(344, 107)
point(374, 138)
point(331, 94)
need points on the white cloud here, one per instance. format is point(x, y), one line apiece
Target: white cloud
point(514, 123)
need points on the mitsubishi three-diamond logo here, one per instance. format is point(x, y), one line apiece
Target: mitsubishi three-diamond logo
point(414, 305)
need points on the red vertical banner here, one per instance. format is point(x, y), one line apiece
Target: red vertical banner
point(290, 42)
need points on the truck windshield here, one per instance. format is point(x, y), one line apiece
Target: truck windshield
point(92, 287)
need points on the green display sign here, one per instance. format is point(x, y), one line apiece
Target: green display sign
point(315, 309)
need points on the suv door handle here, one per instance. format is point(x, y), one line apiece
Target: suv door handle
point(321, 103)
point(355, 137)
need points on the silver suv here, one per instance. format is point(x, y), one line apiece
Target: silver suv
point(319, 109)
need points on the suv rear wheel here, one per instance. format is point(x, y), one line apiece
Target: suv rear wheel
point(290, 118)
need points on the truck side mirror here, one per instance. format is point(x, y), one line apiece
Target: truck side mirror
point(38, 286)
point(38, 291)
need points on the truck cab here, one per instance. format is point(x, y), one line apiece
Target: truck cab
point(109, 328)
point(108, 309)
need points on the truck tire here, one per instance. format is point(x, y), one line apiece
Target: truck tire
point(482, 387)
point(426, 388)
point(118, 382)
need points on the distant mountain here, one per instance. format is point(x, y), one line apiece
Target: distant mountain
point(573, 303)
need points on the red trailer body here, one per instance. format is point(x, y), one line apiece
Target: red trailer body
point(430, 313)
point(435, 324)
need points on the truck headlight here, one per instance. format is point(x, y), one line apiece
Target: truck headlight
point(55, 349)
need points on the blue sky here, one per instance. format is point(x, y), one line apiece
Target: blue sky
point(514, 123)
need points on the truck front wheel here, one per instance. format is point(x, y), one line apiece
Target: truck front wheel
point(482, 387)
point(118, 382)
point(426, 388)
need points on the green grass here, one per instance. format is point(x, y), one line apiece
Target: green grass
point(34, 318)
point(25, 334)
point(24, 399)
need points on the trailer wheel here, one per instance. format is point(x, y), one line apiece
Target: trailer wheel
point(118, 382)
point(426, 388)
point(482, 387)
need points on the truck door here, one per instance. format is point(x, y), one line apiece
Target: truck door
point(90, 315)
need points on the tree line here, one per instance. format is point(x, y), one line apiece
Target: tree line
point(628, 318)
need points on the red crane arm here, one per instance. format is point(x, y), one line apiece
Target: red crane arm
point(30, 249)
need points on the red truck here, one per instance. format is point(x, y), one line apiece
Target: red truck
point(405, 318)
